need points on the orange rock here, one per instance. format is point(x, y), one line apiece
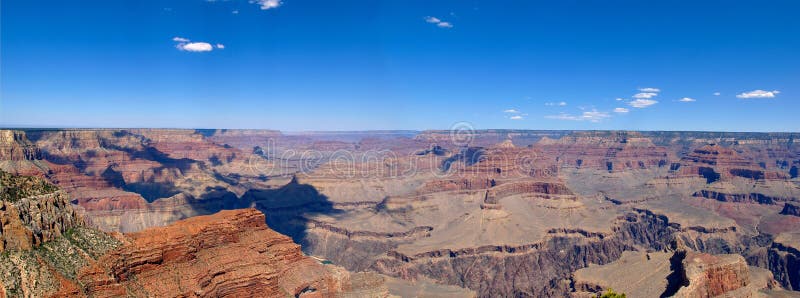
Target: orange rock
point(230, 253)
point(713, 275)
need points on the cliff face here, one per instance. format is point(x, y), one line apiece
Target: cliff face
point(676, 274)
point(711, 276)
point(14, 145)
point(231, 253)
point(49, 253)
point(501, 212)
point(32, 212)
point(43, 239)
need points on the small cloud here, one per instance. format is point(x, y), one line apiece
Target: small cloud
point(515, 117)
point(687, 99)
point(758, 94)
point(650, 90)
point(642, 103)
point(445, 25)
point(511, 111)
point(591, 116)
point(439, 23)
point(267, 4)
point(560, 103)
point(433, 20)
point(620, 99)
point(645, 95)
point(620, 110)
point(235, 12)
point(195, 47)
point(184, 44)
point(717, 94)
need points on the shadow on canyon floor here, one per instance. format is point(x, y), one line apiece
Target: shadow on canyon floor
point(285, 207)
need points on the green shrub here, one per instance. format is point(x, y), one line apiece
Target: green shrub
point(611, 294)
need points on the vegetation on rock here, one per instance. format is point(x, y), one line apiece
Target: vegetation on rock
point(14, 188)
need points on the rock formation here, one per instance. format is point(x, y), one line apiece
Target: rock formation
point(676, 274)
point(32, 212)
point(230, 253)
point(501, 212)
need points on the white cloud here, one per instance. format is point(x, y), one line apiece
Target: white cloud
point(235, 12)
point(620, 99)
point(511, 111)
point(649, 90)
point(758, 94)
point(433, 20)
point(717, 94)
point(439, 23)
point(645, 95)
point(687, 99)
point(267, 4)
point(195, 47)
point(560, 103)
point(591, 116)
point(642, 103)
point(515, 117)
point(184, 44)
point(620, 110)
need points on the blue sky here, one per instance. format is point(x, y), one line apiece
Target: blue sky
point(368, 65)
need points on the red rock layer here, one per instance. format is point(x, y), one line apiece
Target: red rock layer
point(231, 253)
point(725, 163)
point(612, 151)
point(713, 275)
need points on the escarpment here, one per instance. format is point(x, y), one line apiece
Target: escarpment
point(32, 212)
point(675, 274)
point(755, 198)
point(230, 253)
point(497, 212)
point(43, 239)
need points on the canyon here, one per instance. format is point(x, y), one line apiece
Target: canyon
point(491, 213)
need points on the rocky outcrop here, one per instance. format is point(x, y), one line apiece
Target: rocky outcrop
point(231, 253)
point(710, 276)
point(674, 274)
point(783, 259)
point(716, 162)
point(42, 239)
point(32, 212)
point(14, 145)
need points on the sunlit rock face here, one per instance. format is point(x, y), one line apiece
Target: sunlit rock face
point(500, 212)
